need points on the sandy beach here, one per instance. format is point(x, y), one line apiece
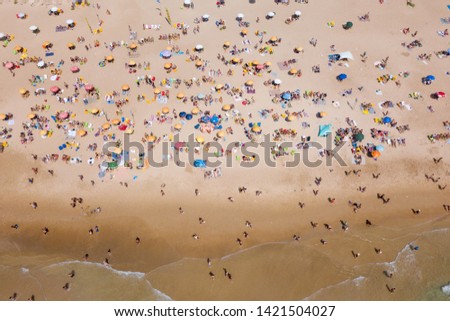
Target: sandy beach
point(80, 221)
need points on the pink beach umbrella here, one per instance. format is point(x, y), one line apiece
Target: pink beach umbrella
point(260, 67)
point(89, 87)
point(74, 69)
point(63, 115)
point(9, 65)
point(55, 89)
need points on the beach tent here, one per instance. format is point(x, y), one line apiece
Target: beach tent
point(324, 130)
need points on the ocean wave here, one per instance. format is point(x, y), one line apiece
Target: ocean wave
point(356, 281)
point(161, 296)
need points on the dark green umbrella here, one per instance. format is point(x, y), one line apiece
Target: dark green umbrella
point(348, 25)
point(358, 137)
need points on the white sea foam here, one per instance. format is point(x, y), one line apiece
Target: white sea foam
point(24, 270)
point(356, 281)
point(446, 289)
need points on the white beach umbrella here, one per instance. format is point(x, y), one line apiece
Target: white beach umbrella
point(54, 9)
point(205, 17)
point(297, 13)
point(199, 47)
point(2, 36)
point(33, 28)
point(187, 2)
point(277, 81)
point(69, 21)
point(41, 64)
point(240, 16)
point(21, 15)
point(271, 14)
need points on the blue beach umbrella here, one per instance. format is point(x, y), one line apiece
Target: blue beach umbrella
point(286, 96)
point(386, 120)
point(341, 77)
point(182, 114)
point(430, 78)
point(189, 116)
point(166, 54)
point(380, 148)
point(324, 130)
point(199, 163)
point(214, 119)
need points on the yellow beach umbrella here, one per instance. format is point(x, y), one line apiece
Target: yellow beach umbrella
point(200, 139)
point(43, 133)
point(293, 71)
point(195, 111)
point(157, 91)
point(249, 83)
point(221, 133)
point(71, 45)
point(290, 117)
point(226, 44)
point(165, 110)
point(244, 32)
point(273, 39)
point(256, 129)
point(178, 126)
point(106, 126)
point(132, 63)
point(110, 59)
point(129, 131)
point(82, 133)
point(133, 46)
point(199, 63)
point(125, 87)
point(95, 111)
point(298, 49)
point(235, 61)
point(180, 95)
point(31, 116)
point(167, 65)
point(151, 138)
point(226, 107)
point(2, 116)
point(23, 91)
point(116, 121)
point(219, 86)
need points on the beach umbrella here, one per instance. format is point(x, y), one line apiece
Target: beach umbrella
point(380, 148)
point(347, 25)
point(23, 91)
point(273, 39)
point(286, 96)
point(290, 118)
point(74, 69)
point(180, 96)
point(199, 163)
point(214, 120)
point(55, 89)
point(132, 63)
point(189, 116)
point(298, 49)
point(89, 87)
point(125, 88)
point(168, 66)
point(440, 94)
point(205, 119)
point(3, 36)
point(259, 67)
point(182, 114)
point(95, 111)
point(249, 83)
point(341, 77)
point(9, 65)
point(133, 46)
point(430, 78)
point(240, 16)
point(31, 116)
point(116, 121)
point(21, 15)
point(178, 126)
point(63, 115)
point(387, 120)
point(297, 13)
point(271, 14)
point(256, 129)
point(221, 133)
point(226, 107)
point(226, 44)
point(324, 130)
point(129, 131)
point(47, 44)
point(82, 133)
point(71, 45)
point(268, 64)
point(122, 127)
point(157, 91)
point(199, 48)
point(109, 58)
point(293, 71)
point(2, 116)
point(219, 86)
point(166, 54)
point(205, 17)
point(117, 150)
point(151, 138)
point(358, 137)
point(54, 9)
point(106, 126)
point(200, 139)
point(165, 110)
point(322, 114)
point(198, 63)
point(235, 61)
point(34, 28)
point(244, 32)
point(195, 111)
point(375, 154)
point(18, 48)
point(70, 22)
point(277, 81)
point(201, 96)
